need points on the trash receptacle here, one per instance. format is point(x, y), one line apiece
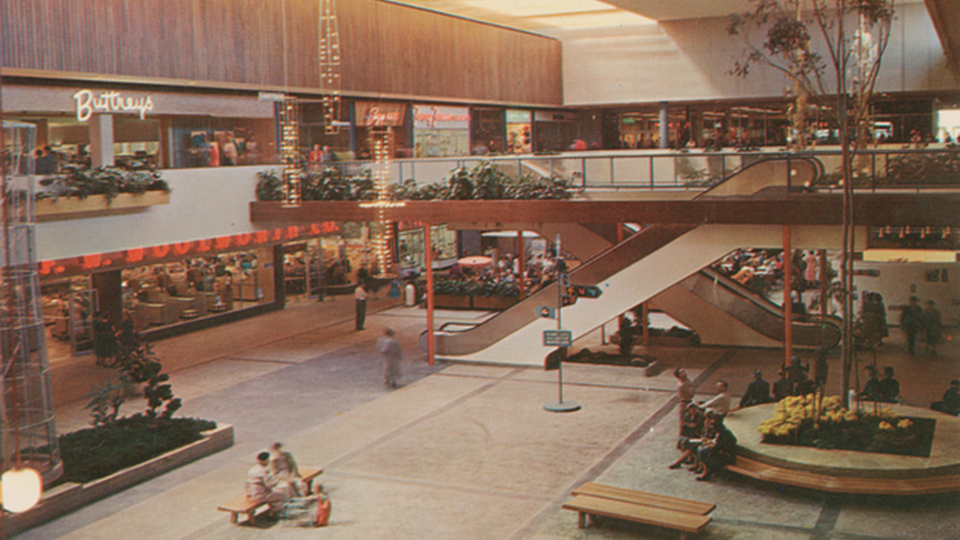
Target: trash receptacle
point(410, 295)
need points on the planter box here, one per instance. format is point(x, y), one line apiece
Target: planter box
point(68, 497)
point(97, 205)
point(496, 303)
point(450, 301)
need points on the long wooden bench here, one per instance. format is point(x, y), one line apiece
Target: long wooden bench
point(647, 499)
point(241, 504)
point(682, 515)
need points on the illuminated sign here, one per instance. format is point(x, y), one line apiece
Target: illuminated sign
point(432, 117)
point(110, 102)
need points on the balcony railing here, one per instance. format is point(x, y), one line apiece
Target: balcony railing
point(873, 169)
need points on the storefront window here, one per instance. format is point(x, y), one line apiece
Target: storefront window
point(410, 248)
point(136, 140)
point(441, 131)
point(165, 294)
point(519, 132)
point(487, 131)
point(556, 131)
point(379, 117)
point(313, 132)
point(218, 142)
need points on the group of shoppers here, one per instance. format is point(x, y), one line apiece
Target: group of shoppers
point(926, 323)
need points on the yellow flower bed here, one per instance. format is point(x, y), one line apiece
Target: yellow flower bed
point(805, 421)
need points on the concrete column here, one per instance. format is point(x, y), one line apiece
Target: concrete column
point(101, 140)
point(664, 126)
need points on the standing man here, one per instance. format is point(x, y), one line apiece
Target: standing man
point(390, 349)
point(911, 321)
point(685, 391)
point(360, 295)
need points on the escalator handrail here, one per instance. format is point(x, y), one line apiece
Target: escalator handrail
point(762, 302)
point(818, 171)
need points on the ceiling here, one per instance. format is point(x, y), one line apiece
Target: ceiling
point(549, 16)
point(540, 15)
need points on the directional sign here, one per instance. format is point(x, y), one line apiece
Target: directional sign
point(546, 312)
point(557, 338)
point(584, 291)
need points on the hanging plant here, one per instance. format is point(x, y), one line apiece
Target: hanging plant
point(81, 182)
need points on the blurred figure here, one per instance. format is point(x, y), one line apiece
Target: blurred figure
point(389, 347)
point(932, 327)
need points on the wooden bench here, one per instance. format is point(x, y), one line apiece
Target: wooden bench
point(241, 504)
point(646, 499)
point(920, 485)
point(682, 515)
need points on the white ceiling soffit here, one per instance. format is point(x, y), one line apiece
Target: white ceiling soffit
point(534, 15)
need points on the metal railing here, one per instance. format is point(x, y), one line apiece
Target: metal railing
point(873, 169)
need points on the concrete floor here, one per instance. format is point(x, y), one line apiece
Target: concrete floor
point(462, 451)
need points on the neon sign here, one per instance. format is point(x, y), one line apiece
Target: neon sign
point(110, 102)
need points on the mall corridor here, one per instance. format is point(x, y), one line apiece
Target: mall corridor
point(463, 451)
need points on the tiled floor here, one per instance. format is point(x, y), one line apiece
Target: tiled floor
point(464, 451)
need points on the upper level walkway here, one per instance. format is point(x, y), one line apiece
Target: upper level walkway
point(918, 189)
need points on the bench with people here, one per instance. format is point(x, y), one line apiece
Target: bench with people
point(274, 480)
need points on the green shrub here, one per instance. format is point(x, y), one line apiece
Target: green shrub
point(89, 454)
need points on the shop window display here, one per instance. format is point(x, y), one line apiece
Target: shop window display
point(165, 294)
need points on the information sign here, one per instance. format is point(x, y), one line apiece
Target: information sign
point(557, 338)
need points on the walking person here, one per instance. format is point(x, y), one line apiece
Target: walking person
point(360, 295)
point(932, 327)
point(389, 347)
point(104, 339)
point(911, 322)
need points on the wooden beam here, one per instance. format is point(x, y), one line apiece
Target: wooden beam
point(934, 210)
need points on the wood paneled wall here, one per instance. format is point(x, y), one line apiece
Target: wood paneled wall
point(388, 50)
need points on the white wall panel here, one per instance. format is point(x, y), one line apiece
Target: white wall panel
point(204, 203)
point(691, 59)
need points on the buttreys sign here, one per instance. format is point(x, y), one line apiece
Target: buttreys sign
point(110, 101)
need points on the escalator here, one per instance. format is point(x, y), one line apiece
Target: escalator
point(724, 312)
point(627, 274)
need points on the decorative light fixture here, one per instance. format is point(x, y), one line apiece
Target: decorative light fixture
point(382, 144)
point(329, 60)
point(290, 150)
point(26, 408)
point(21, 489)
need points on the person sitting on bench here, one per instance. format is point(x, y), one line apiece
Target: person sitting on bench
point(691, 427)
point(261, 485)
point(717, 451)
point(284, 468)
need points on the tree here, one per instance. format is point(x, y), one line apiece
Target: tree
point(844, 74)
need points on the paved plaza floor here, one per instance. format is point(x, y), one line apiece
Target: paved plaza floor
point(462, 451)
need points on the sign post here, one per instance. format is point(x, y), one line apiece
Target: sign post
point(562, 339)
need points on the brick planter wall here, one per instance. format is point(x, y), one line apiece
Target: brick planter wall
point(67, 497)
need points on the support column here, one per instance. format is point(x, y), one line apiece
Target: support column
point(521, 264)
point(645, 320)
point(824, 283)
point(664, 126)
point(787, 296)
point(101, 140)
point(428, 257)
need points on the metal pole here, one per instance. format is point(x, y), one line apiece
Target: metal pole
point(560, 406)
point(428, 257)
point(787, 296)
